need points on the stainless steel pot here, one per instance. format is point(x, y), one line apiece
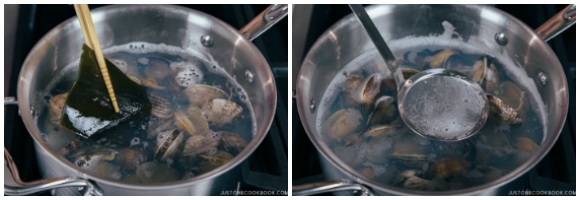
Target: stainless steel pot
point(481, 27)
point(188, 29)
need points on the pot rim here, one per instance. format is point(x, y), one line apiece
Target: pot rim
point(24, 104)
point(327, 153)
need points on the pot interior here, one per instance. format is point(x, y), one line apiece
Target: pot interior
point(152, 36)
point(419, 34)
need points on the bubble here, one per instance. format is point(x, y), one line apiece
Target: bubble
point(143, 61)
point(135, 141)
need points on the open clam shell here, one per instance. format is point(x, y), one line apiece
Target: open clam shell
point(168, 144)
point(199, 94)
point(193, 122)
point(221, 111)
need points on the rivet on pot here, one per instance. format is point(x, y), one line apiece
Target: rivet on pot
point(207, 40)
point(312, 105)
point(501, 38)
point(249, 76)
point(542, 78)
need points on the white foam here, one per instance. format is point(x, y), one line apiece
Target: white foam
point(88, 124)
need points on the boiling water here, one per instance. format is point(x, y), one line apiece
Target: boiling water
point(401, 158)
point(127, 152)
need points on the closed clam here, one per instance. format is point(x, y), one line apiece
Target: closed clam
point(221, 111)
point(197, 144)
point(199, 94)
point(56, 105)
point(168, 144)
point(218, 158)
point(408, 152)
point(160, 105)
point(233, 142)
point(342, 123)
point(418, 183)
point(525, 147)
point(193, 121)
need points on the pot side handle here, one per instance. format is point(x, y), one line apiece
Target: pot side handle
point(25, 188)
point(264, 21)
point(558, 23)
point(331, 186)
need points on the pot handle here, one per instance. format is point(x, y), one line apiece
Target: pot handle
point(25, 188)
point(330, 186)
point(558, 23)
point(266, 19)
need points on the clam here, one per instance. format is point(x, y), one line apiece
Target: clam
point(384, 112)
point(221, 111)
point(56, 104)
point(199, 94)
point(503, 110)
point(158, 125)
point(479, 70)
point(514, 96)
point(387, 130)
point(96, 159)
point(156, 69)
point(130, 158)
point(417, 183)
point(408, 152)
point(233, 142)
point(405, 174)
point(349, 89)
point(217, 158)
point(525, 144)
point(192, 122)
point(160, 105)
point(90, 155)
point(197, 144)
point(448, 167)
point(525, 147)
point(491, 78)
point(341, 123)
point(167, 144)
point(409, 160)
point(147, 82)
point(107, 170)
point(366, 92)
point(440, 58)
point(153, 172)
point(368, 172)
